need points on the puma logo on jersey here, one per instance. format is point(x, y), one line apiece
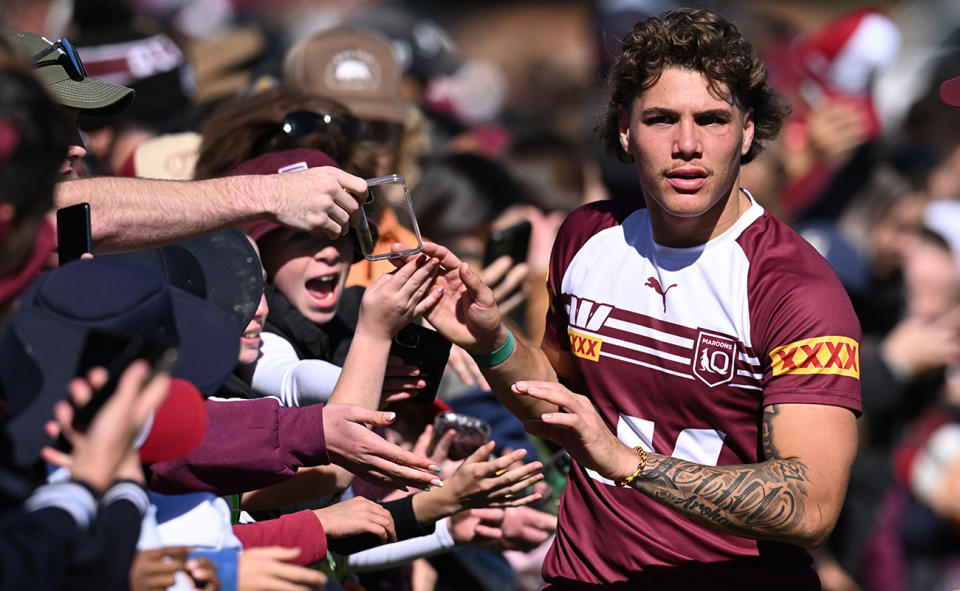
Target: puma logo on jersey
point(653, 283)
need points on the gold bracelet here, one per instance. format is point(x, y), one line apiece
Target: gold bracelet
point(643, 462)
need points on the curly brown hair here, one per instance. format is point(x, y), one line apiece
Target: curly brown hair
point(699, 40)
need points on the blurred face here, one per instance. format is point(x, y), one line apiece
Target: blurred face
point(471, 247)
point(75, 152)
point(932, 279)
point(893, 234)
point(250, 340)
point(686, 144)
point(309, 270)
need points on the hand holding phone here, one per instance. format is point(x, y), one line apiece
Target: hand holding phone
point(114, 351)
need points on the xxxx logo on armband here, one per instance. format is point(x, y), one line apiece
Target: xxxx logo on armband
point(821, 355)
point(584, 346)
point(589, 317)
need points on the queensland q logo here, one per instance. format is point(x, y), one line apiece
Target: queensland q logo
point(714, 358)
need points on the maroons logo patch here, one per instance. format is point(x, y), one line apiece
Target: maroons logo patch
point(714, 358)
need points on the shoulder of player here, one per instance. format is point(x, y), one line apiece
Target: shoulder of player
point(779, 254)
point(591, 218)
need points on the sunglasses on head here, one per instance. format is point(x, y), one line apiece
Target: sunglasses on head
point(73, 64)
point(299, 124)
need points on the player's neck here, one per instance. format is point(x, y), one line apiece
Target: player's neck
point(684, 232)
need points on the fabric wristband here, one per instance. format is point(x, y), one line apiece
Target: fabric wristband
point(643, 463)
point(499, 355)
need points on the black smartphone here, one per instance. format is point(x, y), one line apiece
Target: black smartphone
point(513, 240)
point(555, 471)
point(114, 351)
point(426, 349)
point(472, 432)
point(73, 232)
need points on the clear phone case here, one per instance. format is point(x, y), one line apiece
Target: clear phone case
point(388, 200)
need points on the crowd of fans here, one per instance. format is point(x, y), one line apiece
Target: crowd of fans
point(223, 146)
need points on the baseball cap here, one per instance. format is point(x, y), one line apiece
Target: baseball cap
point(58, 65)
point(221, 268)
point(172, 156)
point(291, 161)
point(355, 67)
point(950, 91)
point(63, 306)
point(422, 48)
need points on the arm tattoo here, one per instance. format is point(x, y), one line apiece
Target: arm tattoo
point(764, 500)
point(766, 432)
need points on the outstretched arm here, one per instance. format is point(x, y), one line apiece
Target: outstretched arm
point(133, 213)
point(389, 303)
point(793, 496)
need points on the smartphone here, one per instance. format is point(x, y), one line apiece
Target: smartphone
point(426, 349)
point(73, 232)
point(513, 240)
point(555, 473)
point(114, 351)
point(388, 194)
point(472, 432)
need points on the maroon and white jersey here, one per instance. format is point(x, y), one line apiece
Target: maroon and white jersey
point(680, 349)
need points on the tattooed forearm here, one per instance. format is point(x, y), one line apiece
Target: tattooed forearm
point(770, 500)
point(760, 501)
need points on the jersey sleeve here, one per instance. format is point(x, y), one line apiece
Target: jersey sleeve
point(806, 332)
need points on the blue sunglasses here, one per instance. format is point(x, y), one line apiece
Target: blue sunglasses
point(73, 65)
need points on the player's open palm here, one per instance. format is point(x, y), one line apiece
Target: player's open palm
point(578, 428)
point(466, 313)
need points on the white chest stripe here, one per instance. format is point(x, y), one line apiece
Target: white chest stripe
point(652, 333)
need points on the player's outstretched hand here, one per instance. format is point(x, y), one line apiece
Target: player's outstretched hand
point(466, 312)
point(579, 429)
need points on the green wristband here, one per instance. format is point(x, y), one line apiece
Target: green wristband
point(499, 355)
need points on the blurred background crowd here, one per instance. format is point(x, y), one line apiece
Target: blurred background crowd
point(488, 109)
